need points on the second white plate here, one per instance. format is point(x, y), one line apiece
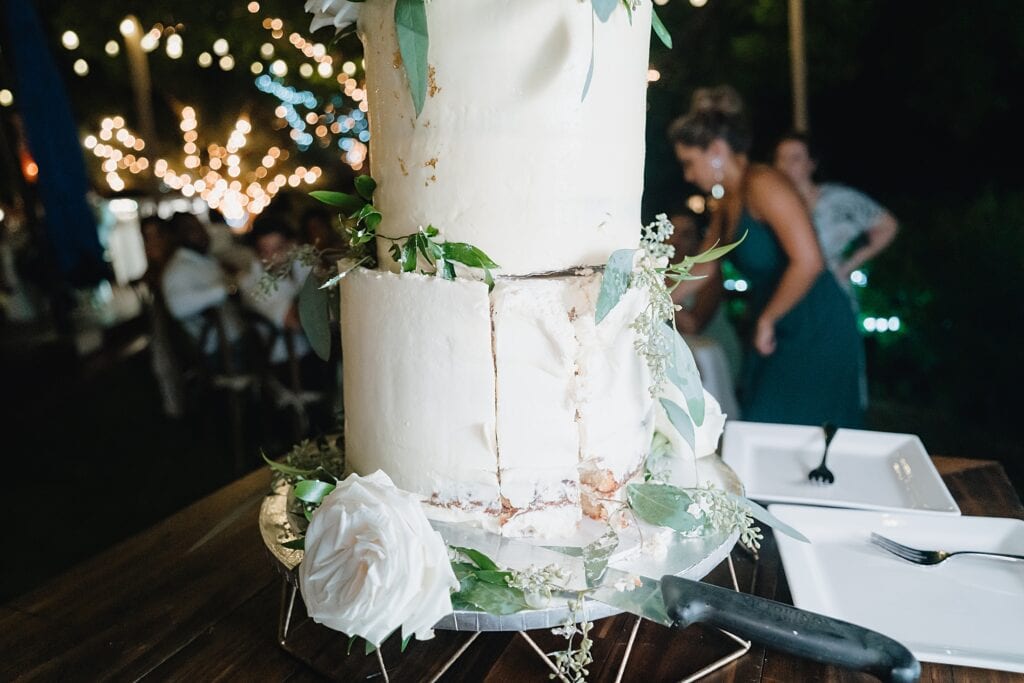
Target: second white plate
point(873, 470)
point(968, 610)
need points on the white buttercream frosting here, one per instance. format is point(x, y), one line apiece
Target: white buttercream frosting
point(506, 154)
point(494, 407)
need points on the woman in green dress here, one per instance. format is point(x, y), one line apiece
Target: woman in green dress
point(802, 363)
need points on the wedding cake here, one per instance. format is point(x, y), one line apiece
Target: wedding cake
point(510, 406)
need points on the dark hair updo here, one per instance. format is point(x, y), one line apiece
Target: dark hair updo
point(715, 114)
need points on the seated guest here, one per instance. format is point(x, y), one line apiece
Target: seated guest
point(273, 241)
point(196, 289)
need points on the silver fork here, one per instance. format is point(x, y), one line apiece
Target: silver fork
point(930, 556)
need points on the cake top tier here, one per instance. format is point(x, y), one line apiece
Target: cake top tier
point(530, 141)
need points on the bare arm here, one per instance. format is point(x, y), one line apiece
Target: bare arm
point(707, 300)
point(773, 199)
point(880, 235)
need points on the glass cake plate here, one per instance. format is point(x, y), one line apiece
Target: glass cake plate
point(689, 557)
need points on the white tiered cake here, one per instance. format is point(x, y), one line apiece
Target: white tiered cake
point(512, 407)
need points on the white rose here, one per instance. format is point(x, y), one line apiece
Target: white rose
point(337, 13)
point(373, 563)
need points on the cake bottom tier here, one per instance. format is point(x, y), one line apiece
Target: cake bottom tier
point(510, 408)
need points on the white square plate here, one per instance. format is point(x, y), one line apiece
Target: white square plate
point(873, 470)
point(968, 610)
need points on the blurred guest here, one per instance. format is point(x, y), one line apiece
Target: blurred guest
point(158, 242)
point(801, 367)
point(841, 215)
point(196, 289)
point(274, 242)
point(315, 228)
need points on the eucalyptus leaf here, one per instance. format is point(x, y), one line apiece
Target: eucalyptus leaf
point(590, 68)
point(680, 420)
point(315, 317)
point(351, 641)
point(717, 252)
point(682, 371)
point(369, 648)
point(762, 515)
point(477, 557)
point(604, 8)
point(660, 30)
point(296, 544)
point(663, 505)
point(492, 598)
point(615, 281)
point(406, 640)
point(413, 42)
point(312, 490)
point(597, 554)
point(286, 469)
point(365, 185)
point(339, 200)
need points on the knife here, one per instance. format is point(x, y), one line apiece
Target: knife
point(677, 603)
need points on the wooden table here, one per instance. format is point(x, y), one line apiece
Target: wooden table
point(196, 598)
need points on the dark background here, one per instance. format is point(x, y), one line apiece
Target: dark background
point(916, 103)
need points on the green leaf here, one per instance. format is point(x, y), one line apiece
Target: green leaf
point(716, 252)
point(286, 469)
point(682, 371)
point(629, 10)
point(663, 505)
point(597, 554)
point(467, 254)
point(369, 648)
point(476, 557)
point(493, 576)
point(679, 419)
point(315, 317)
point(660, 30)
point(405, 641)
point(448, 270)
point(296, 544)
point(339, 200)
point(464, 569)
point(312, 490)
point(351, 641)
point(365, 185)
point(615, 281)
point(413, 42)
point(604, 8)
point(408, 255)
point(762, 515)
point(491, 598)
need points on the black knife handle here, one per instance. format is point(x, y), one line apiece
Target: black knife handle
point(788, 629)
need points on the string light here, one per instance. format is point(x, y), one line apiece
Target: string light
point(220, 47)
point(112, 48)
point(81, 67)
point(6, 98)
point(237, 191)
point(69, 39)
point(205, 59)
point(174, 46)
point(227, 62)
point(128, 27)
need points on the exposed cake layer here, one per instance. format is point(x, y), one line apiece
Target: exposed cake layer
point(507, 154)
point(551, 398)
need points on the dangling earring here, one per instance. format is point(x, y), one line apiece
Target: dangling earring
point(717, 190)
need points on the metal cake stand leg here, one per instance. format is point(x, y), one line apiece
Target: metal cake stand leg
point(284, 619)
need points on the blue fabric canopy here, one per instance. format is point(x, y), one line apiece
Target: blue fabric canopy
point(53, 141)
